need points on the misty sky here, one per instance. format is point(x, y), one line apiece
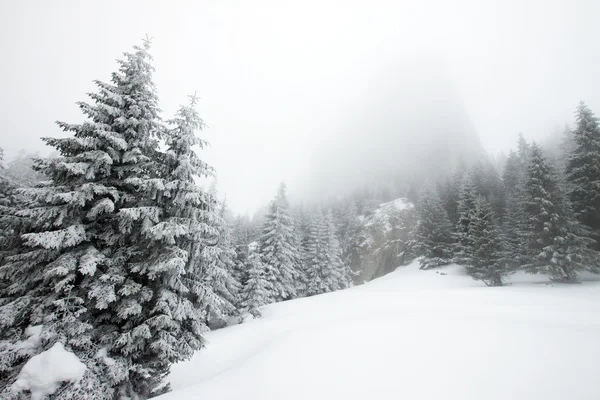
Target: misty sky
point(276, 78)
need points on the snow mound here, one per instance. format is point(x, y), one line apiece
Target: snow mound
point(33, 337)
point(412, 334)
point(45, 372)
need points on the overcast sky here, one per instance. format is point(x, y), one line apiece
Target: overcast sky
point(274, 77)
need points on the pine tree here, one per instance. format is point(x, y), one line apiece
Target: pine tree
point(278, 248)
point(523, 151)
point(487, 261)
point(433, 234)
point(242, 236)
point(465, 208)
point(351, 235)
point(514, 221)
point(488, 184)
point(583, 169)
point(557, 243)
point(114, 232)
point(317, 256)
point(220, 288)
point(257, 290)
point(337, 274)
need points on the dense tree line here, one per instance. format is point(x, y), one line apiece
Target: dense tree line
point(541, 216)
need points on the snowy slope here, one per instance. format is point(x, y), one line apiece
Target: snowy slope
point(409, 335)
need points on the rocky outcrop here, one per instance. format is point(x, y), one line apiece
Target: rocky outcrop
point(381, 243)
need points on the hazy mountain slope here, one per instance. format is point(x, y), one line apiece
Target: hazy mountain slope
point(411, 334)
point(408, 122)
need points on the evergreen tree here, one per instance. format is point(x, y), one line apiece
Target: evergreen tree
point(114, 232)
point(557, 243)
point(514, 222)
point(325, 271)
point(257, 290)
point(337, 274)
point(220, 288)
point(465, 208)
point(351, 235)
point(278, 248)
point(523, 151)
point(433, 234)
point(487, 261)
point(488, 184)
point(583, 169)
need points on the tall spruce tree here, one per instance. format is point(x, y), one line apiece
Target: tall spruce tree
point(325, 271)
point(220, 288)
point(433, 239)
point(315, 255)
point(487, 261)
point(257, 289)
point(514, 221)
point(557, 243)
point(104, 261)
point(465, 208)
point(278, 247)
point(338, 274)
point(583, 169)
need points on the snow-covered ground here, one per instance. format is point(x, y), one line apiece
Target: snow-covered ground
point(409, 335)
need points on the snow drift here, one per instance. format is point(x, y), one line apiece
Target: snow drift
point(43, 374)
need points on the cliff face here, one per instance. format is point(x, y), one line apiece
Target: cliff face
point(381, 241)
point(408, 123)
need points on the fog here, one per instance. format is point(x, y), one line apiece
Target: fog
point(312, 92)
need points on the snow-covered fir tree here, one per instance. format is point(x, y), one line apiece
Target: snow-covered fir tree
point(488, 184)
point(325, 271)
point(487, 261)
point(465, 208)
point(221, 289)
point(257, 289)
point(114, 234)
point(278, 248)
point(557, 243)
point(433, 238)
point(315, 257)
point(339, 275)
point(583, 169)
point(513, 224)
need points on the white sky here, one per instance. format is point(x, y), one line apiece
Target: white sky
point(274, 77)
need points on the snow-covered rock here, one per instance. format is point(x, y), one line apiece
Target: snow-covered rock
point(382, 243)
point(43, 374)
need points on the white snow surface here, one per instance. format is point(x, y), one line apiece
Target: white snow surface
point(45, 372)
point(409, 335)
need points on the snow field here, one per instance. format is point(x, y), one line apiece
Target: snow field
point(411, 334)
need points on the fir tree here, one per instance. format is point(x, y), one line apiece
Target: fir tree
point(114, 234)
point(257, 289)
point(514, 221)
point(325, 271)
point(523, 151)
point(220, 288)
point(433, 234)
point(465, 208)
point(487, 261)
point(351, 235)
point(278, 248)
point(583, 169)
point(557, 243)
point(337, 274)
